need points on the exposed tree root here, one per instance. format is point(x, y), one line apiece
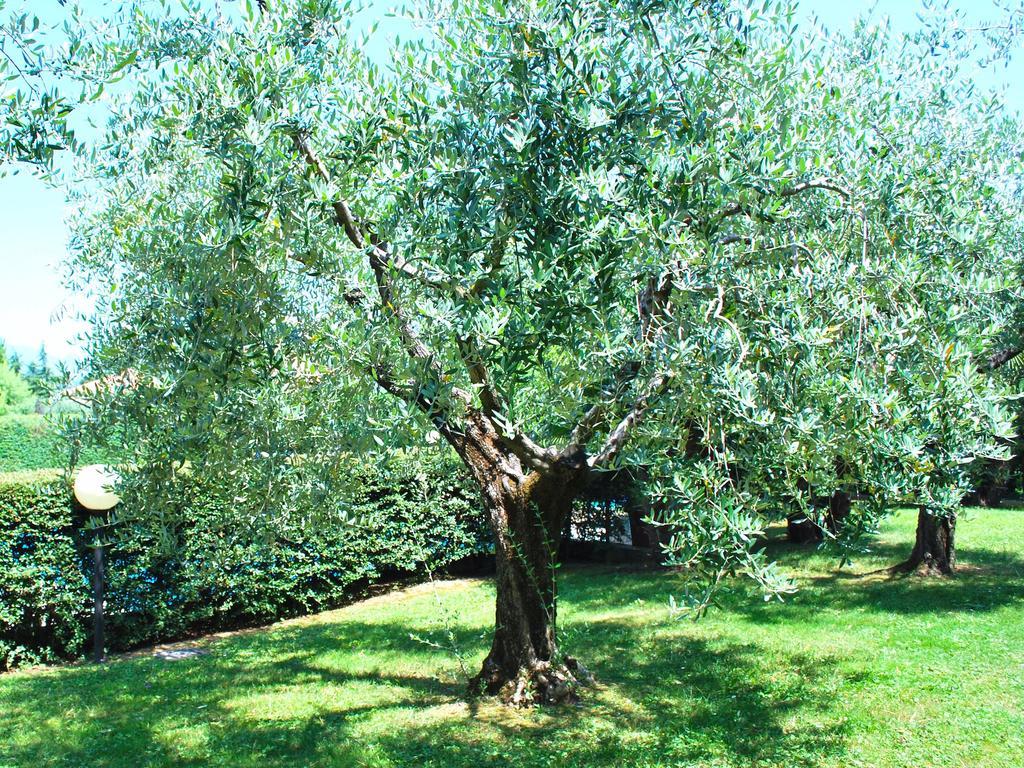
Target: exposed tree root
point(926, 567)
point(542, 683)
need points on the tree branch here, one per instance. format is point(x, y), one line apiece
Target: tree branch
point(797, 189)
point(469, 351)
point(652, 304)
point(588, 423)
point(618, 436)
point(377, 251)
point(1002, 357)
point(730, 239)
point(342, 212)
point(413, 394)
point(382, 262)
point(584, 430)
point(494, 262)
point(379, 258)
point(526, 450)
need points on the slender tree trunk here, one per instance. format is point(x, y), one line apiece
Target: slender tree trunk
point(642, 531)
point(639, 535)
point(990, 495)
point(934, 551)
point(803, 530)
point(839, 505)
point(800, 529)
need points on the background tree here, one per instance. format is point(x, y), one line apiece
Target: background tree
point(42, 379)
point(561, 238)
point(15, 393)
point(963, 151)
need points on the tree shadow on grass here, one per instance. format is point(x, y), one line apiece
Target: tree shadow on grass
point(315, 695)
point(354, 692)
point(139, 712)
point(667, 700)
point(986, 580)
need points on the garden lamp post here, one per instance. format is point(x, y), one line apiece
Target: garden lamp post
point(93, 489)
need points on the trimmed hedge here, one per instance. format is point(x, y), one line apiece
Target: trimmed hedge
point(412, 512)
point(28, 441)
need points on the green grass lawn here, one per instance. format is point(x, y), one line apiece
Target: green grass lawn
point(852, 671)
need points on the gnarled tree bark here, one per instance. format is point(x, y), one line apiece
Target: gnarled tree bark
point(527, 510)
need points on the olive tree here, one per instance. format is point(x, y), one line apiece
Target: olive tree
point(954, 147)
point(559, 237)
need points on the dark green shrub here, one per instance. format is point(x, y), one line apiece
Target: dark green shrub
point(412, 513)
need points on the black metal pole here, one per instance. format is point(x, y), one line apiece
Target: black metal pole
point(97, 604)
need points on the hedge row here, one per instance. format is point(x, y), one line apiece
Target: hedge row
point(28, 441)
point(42, 587)
point(412, 513)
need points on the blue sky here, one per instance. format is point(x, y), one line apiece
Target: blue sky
point(35, 308)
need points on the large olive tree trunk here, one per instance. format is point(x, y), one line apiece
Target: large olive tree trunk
point(934, 552)
point(527, 512)
point(527, 521)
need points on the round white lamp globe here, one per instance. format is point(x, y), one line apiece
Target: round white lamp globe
point(93, 487)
